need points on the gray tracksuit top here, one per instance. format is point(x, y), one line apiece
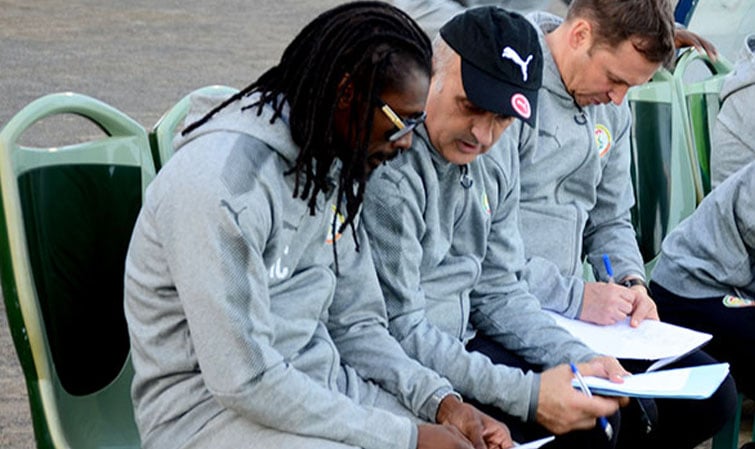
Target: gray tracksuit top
point(233, 303)
point(712, 252)
point(446, 248)
point(733, 139)
point(576, 190)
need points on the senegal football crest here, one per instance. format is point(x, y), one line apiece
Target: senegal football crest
point(485, 203)
point(602, 139)
point(333, 230)
point(735, 302)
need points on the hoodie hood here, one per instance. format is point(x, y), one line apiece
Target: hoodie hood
point(234, 118)
point(743, 74)
point(544, 23)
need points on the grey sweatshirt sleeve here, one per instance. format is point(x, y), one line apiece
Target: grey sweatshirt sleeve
point(394, 221)
point(430, 14)
point(213, 246)
point(711, 253)
point(609, 227)
point(556, 292)
point(502, 306)
point(357, 323)
point(733, 139)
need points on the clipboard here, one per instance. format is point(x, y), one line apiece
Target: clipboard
point(698, 382)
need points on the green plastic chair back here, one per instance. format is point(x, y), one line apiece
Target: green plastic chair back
point(701, 107)
point(661, 169)
point(161, 137)
point(67, 216)
point(728, 436)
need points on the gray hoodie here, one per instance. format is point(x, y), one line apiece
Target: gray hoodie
point(233, 304)
point(446, 248)
point(576, 190)
point(712, 252)
point(733, 139)
point(433, 14)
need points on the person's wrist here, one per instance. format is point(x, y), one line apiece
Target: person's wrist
point(634, 283)
point(448, 403)
point(631, 282)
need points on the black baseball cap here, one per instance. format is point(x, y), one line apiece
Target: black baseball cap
point(501, 60)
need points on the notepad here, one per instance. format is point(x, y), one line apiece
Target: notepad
point(698, 382)
point(651, 340)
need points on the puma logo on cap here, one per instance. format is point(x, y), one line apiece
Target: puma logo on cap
point(510, 53)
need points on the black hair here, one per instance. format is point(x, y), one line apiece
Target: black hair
point(365, 47)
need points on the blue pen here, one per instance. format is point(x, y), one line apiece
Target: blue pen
point(609, 268)
point(583, 386)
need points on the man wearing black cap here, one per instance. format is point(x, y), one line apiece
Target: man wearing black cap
point(442, 223)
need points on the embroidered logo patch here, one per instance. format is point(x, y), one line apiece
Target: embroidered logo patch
point(521, 105)
point(602, 139)
point(485, 203)
point(333, 231)
point(735, 302)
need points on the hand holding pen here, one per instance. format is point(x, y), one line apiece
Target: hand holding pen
point(561, 408)
point(602, 421)
point(642, 306)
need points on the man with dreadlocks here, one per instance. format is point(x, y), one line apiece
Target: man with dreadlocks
point(249, 327)
point(442, 225)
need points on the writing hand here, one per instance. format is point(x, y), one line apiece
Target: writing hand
point(644, 307)
point(605, 303)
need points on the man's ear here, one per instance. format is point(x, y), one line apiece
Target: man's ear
point(580, 34)
point(346, 92)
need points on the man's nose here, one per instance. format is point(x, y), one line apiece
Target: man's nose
point(618, 93)
point(482, 129)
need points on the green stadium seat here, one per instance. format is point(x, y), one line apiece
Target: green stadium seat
point(661, 169)
point(67, 217)
point(701, 106)
point(728, 436)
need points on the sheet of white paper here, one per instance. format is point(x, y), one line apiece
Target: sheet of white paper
point(651, 340)
point(536, 443)
point(697, 382)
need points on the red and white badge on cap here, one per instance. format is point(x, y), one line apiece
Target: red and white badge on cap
point(521, 105)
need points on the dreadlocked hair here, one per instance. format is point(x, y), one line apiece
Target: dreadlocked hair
point(365, 46)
